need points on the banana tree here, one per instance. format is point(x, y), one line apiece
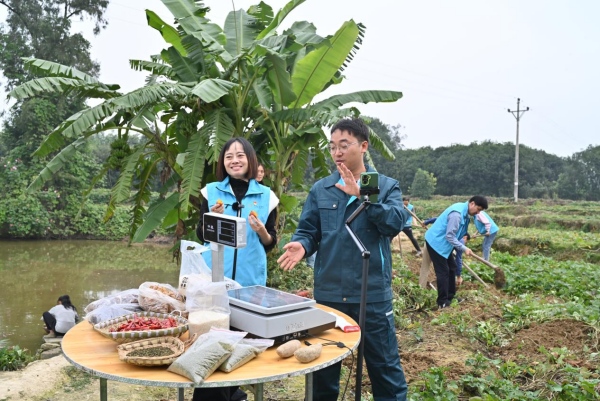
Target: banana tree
point(208, 85)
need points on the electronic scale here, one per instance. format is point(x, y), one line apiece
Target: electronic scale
point(277, 315)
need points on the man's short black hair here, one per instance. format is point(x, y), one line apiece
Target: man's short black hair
point(405, 198)
point(480, 201)
point(354, 126)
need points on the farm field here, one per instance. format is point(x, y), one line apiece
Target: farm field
point(537, 338)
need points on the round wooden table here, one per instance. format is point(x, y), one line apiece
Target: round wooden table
point(93, 353)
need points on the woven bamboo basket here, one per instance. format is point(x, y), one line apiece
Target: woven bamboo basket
point(174, 344)
point(122, 337)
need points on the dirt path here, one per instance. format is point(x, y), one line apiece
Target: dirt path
point(37, 378)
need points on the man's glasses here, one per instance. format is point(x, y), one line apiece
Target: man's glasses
point(342, 147)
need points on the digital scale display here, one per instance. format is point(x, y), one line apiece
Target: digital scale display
point(267, 300)
point(225, 230)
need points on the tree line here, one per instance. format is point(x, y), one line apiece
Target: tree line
point(487, 168)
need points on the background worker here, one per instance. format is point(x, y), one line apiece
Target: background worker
point(442, 237)
point(407, 229)
point(486, 226)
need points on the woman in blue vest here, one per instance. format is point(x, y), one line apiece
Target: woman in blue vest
point(486, 226)
point(237, 193)
point(443, 236)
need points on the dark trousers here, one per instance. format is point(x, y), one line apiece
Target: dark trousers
point(411, 237)
point(215, 393)
point(445, 272)
point(380, 351)
point(50, 322)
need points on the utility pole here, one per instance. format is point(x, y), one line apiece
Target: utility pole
point(518, 113)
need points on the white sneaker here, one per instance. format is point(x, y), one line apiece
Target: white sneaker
point(419, 254)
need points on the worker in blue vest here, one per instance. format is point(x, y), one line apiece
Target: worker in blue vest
point(407, 229)
point(443, 236)
point(486, 226)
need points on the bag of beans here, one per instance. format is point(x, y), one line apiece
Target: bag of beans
point(206, 354)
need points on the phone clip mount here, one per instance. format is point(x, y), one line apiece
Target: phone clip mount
point(366, 193)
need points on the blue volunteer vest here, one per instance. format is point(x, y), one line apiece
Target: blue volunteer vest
point(436, 235)
point(252, 259)
point(481, 227)
point(410, 219)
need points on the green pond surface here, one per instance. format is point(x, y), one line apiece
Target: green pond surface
point(35, 273)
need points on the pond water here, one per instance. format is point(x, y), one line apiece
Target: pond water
point(35, 273)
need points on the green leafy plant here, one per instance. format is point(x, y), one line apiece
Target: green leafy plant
point(13, 357)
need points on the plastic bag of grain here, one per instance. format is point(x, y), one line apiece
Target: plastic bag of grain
point(244, 351)
point(206, 354)
point(208, 306)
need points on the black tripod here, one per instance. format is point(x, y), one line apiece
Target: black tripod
point(363, 290)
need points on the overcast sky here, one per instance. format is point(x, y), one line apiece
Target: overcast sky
point(460, 64)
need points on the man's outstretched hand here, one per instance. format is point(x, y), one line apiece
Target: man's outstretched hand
point(294, 252)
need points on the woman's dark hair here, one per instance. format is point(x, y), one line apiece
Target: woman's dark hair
point(250, 155)
point(65, 301)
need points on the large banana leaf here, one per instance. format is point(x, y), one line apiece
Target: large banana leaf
point(219, 128)
point(155, 215)
point(318, 67)
point(210, 90)
point(79, 123)
point(121, 190)
point(142, 197)
point(55, 164)
point(169, 34)
point(184, 68)
point(63, 85)
point(281, 14)
point(279, 81)
point(240, 32)
point(377, 96)
point(376, 143)
point(44, 67)
point(190, 15)
point(152, 67)
point(193, 169)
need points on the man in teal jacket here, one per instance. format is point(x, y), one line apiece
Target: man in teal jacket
point(444, 236)
point(338, 265)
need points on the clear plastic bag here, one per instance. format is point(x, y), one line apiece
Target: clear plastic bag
point(124, 297)
point(193, 267)
point(160, 298)
point(208, 306)
point(111, 311)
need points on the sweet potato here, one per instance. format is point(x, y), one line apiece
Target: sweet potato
point(286, 350)
point(309, 353)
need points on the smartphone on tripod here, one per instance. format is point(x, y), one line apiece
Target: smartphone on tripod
point(369, 185)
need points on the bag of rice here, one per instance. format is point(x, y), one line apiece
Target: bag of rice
point(206, 354)
point(208, 306)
